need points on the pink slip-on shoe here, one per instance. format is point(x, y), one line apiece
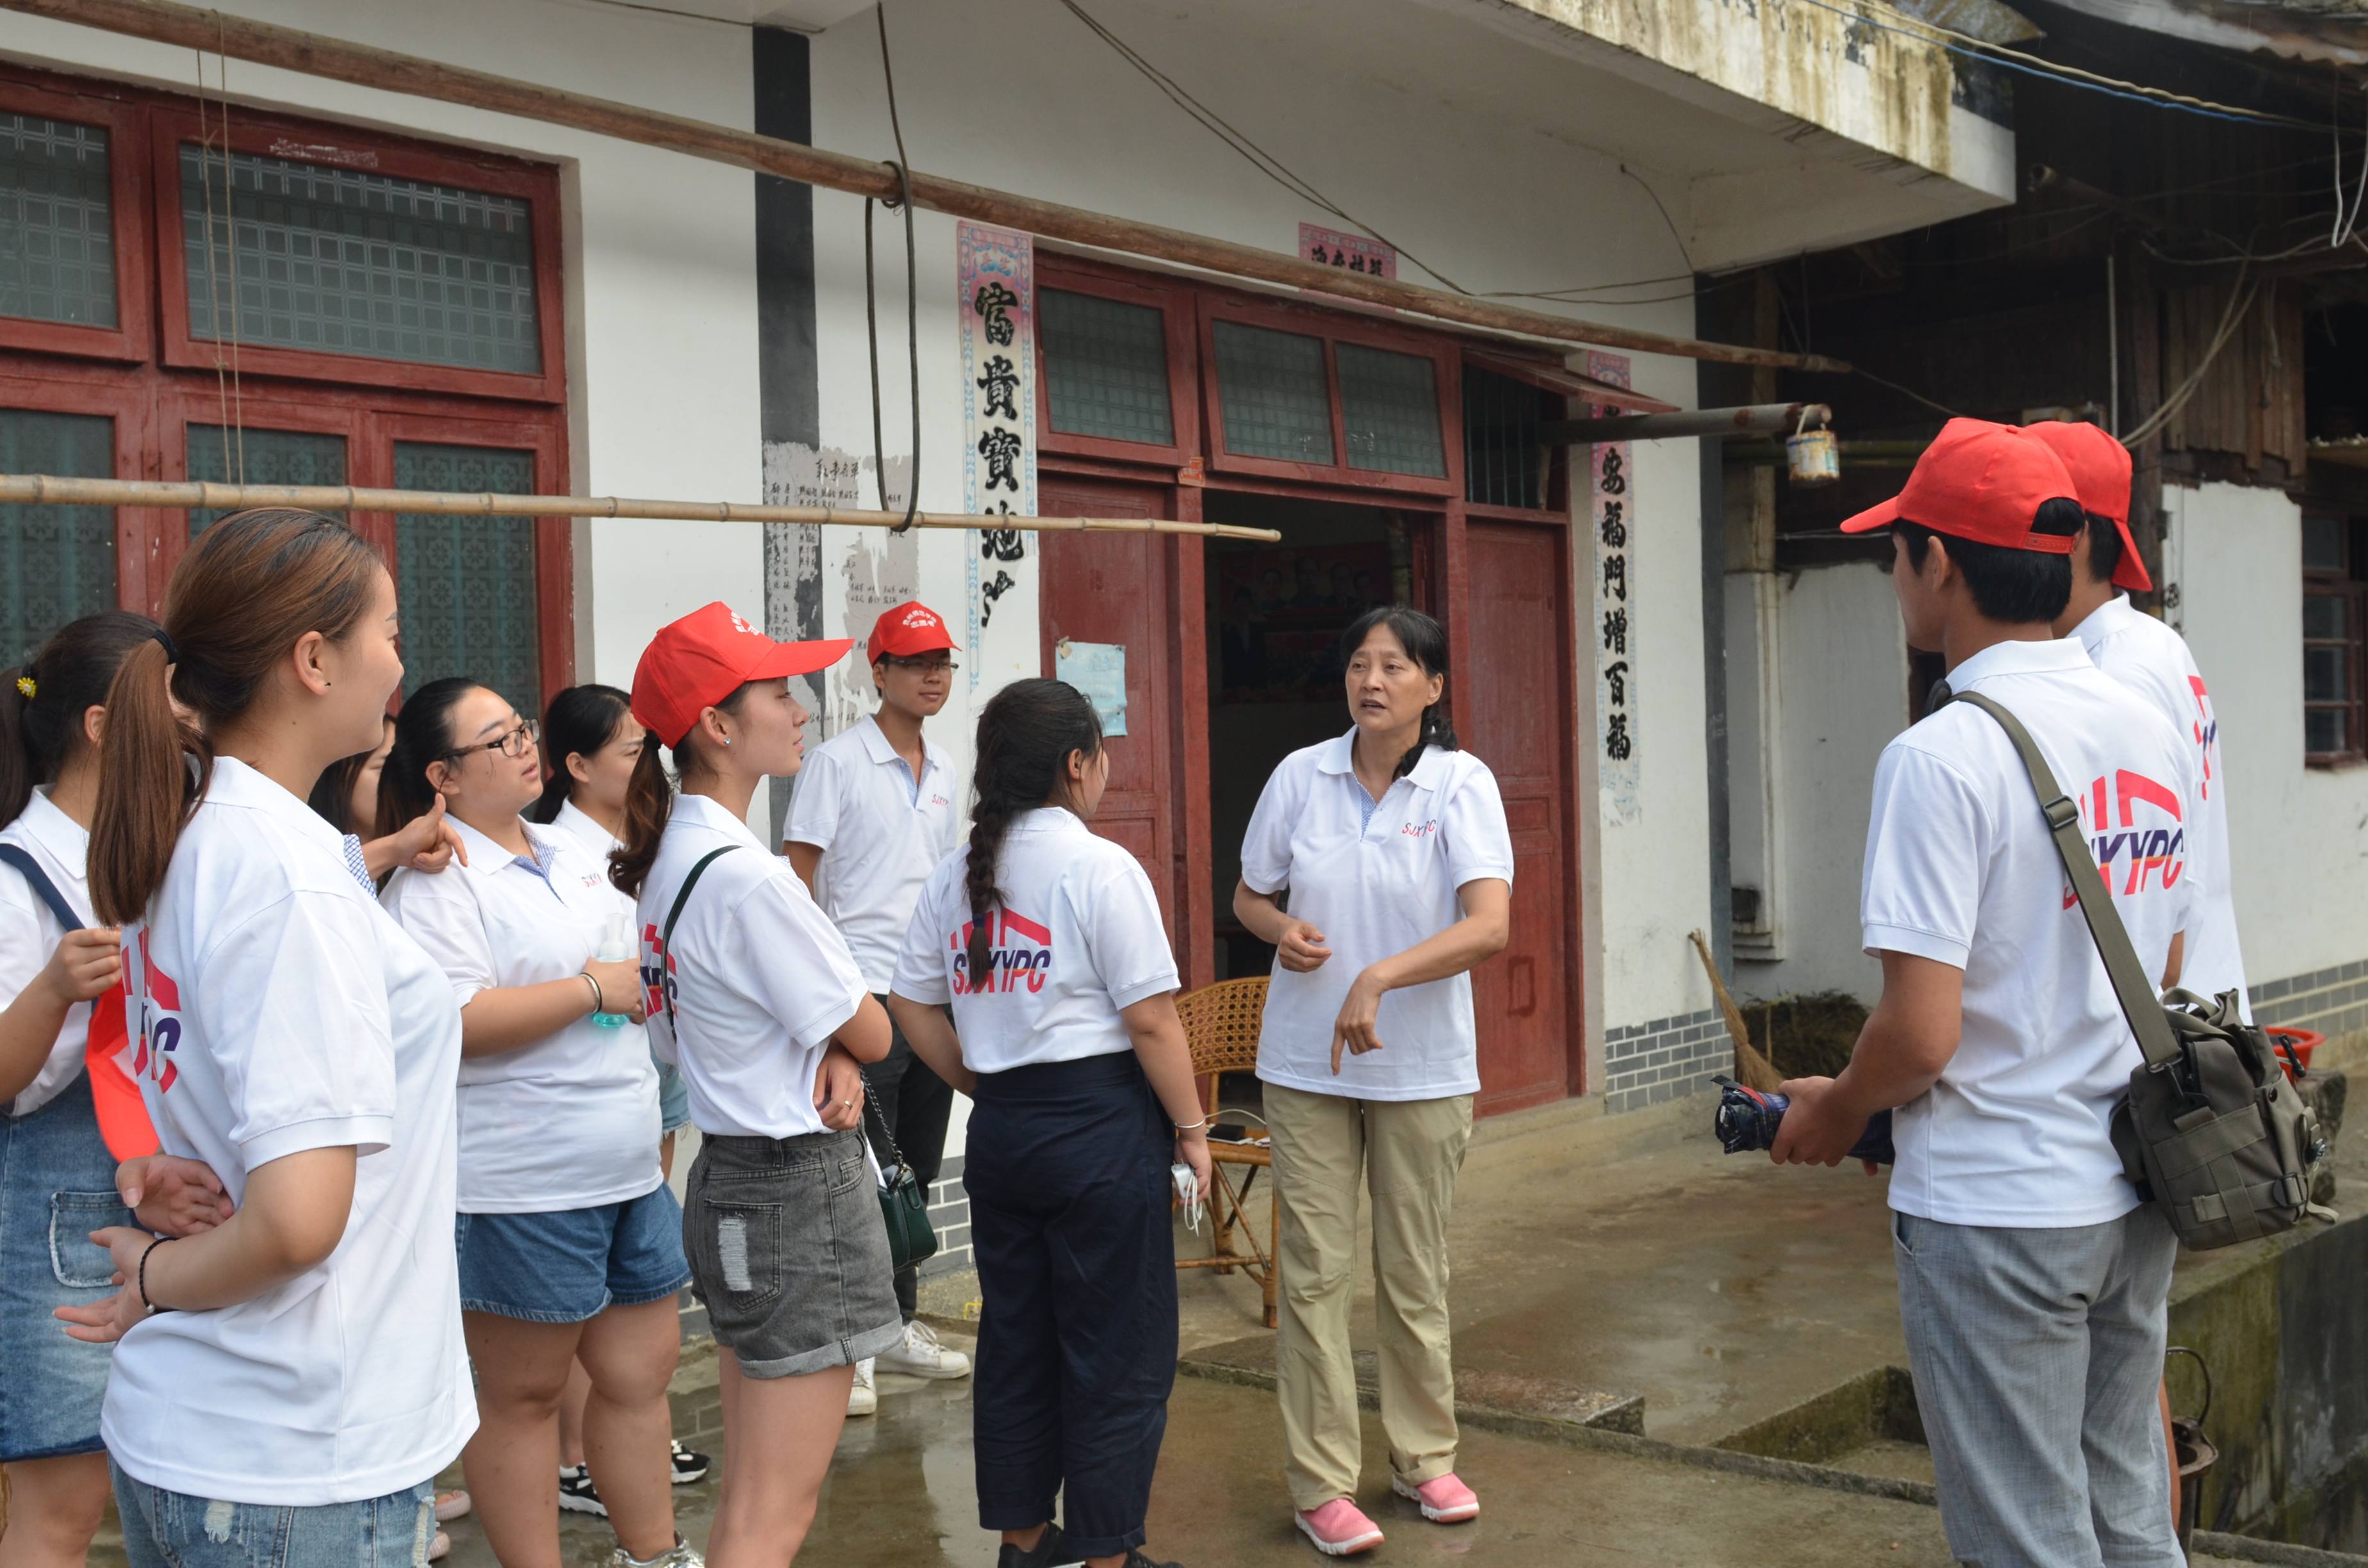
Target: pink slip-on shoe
point(1339, 1529)
point(1442, 1499)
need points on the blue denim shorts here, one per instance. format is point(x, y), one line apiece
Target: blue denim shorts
point(572, 1263)
point(57, 1184)
point(172, 1529)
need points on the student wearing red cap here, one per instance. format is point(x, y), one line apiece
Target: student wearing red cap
point(2145, 655)
point(754, 994)
point(873, 815)
point(2032, 1282)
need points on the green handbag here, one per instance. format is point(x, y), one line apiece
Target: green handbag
point(904, 1207)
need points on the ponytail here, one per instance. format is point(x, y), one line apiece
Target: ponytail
point(247, 589)
point(649, 797)
point(1424, 642)
point(1027, 734)
point(41, 729)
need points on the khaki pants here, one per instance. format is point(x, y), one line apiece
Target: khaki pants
point(1406, 1153)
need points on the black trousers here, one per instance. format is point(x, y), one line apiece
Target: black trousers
point(916, 1103)
point(1070, 1223)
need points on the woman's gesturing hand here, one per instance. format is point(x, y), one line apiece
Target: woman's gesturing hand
point(171, 1196)
point(104, 1323)
point(1353, 1030)
point(427, 843)
point(1302, 948)
point(84, 964)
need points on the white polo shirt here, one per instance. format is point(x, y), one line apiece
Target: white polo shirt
point(1375, 885)
point(2153, 661)
point(280, 1009)
point(761, 979)
point(570, 1121)
point(1077, 937)
point(29, 933)
point(880, 832)
point(1960, 869)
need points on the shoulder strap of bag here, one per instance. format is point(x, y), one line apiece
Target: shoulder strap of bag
point(2139, 1003)
point(43, 889)
point(666, 936)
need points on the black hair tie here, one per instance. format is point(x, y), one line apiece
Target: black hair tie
point(165, 640)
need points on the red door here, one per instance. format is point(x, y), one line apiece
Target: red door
point(1517, 718)
point(1133, 589)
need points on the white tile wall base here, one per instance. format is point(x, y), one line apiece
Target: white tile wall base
point(949, 1215)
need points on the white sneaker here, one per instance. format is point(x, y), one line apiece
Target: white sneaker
point(920, 1355)
point(861, 1400)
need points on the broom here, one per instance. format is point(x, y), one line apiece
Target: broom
point(1752, 1070)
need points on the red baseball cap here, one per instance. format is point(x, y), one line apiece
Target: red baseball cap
point(1981, 482)
point(905, 629)
point(2099, 467)
point(697, 662)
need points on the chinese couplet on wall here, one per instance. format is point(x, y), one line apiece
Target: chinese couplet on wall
point(1351, 252)
point(998, 280)
point(1612, 499)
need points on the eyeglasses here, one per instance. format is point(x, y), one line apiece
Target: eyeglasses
point(513, 744)
point(927, 665)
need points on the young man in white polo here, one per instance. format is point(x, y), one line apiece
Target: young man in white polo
point(2033, 1285)
point(875, 811)
point(2153, 661)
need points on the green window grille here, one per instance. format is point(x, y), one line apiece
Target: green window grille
point(220, 455)
point(464, 586)
point(1389, 410)
point(1505, 463)
point(1270, 387)
point(345, 262)
point(57, 235)
point(1106, 368)
point(57, 563)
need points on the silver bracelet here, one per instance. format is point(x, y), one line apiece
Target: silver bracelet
point(586, 976)
point(1190, 1127)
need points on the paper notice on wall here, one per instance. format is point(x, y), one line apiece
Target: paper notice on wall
point(1097, 669)
point(997, 273)
point(871, 569)
point(1618, 765)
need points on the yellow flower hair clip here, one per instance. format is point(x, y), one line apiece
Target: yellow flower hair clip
point(25, 685)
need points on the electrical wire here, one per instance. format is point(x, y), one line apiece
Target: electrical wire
point(1857, 370)
point(912, 305)
point(2071, 75)
point(2240, 301)
point(1257, 157)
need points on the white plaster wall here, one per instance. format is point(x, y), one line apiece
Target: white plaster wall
point(1842, 695)
point(2298, 836)
point(659, 258)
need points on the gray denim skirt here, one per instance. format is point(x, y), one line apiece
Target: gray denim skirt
point(787, 1253)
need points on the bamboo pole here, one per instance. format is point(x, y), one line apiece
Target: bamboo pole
point(48, 490)
point(291, 48)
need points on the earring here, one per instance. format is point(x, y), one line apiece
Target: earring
point(727, 740)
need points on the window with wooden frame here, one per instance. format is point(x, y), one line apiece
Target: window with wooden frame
point(1323, 396)
point(2334, 628)
point(282, 302)
point(1118, 365)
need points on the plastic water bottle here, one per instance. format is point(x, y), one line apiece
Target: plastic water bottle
point(616, 947)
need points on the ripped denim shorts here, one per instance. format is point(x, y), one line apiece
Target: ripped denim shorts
point(787, 1253)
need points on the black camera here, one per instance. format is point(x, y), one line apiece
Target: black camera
point(1748, 1120)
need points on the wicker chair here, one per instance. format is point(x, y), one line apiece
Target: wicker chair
point(1220, 1024)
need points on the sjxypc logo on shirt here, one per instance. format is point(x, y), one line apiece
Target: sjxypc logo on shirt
point(1021, 954)
point(160, 1023)
point(2207, 732)
point(2141, 842)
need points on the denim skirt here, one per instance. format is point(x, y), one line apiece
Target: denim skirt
point(57, 1184)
